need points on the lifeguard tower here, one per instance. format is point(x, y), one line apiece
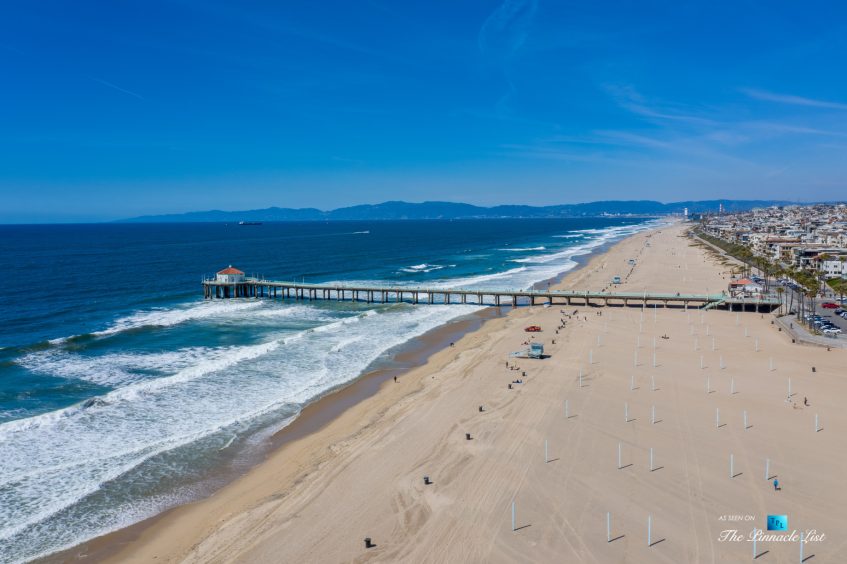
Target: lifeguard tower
point(534, 350)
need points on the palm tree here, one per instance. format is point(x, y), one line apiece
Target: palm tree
point(744, 255)
point(822, 258)
point(811, 294)
point(794, 292)
point(838, 285)
point(809, 284)
point(790, 300)
point(771, 271)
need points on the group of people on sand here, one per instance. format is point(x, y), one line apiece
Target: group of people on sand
point(515, 367)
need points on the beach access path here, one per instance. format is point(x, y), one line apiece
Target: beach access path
point(674, 381)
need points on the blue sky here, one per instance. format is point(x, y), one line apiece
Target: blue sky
point(115, 109)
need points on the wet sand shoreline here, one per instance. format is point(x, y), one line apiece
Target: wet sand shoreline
point(327, 408)
point(315, 415)
point(322, 410)
point(360, 475)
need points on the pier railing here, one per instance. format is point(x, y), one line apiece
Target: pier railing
point(254, 287)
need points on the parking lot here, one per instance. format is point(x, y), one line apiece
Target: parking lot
point(826, 317)
point(830, 315)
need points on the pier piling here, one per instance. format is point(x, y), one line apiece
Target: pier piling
point(260, 288)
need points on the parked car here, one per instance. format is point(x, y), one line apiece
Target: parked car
point(829, 305)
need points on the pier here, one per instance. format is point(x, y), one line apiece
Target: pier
point(233, 284)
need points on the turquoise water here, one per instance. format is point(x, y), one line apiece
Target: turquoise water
point(122, 391)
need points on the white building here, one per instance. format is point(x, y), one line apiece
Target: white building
point(230, 275)
point(833, 268)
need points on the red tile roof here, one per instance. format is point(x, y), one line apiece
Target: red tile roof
point(230, 270)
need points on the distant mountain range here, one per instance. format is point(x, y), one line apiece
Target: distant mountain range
point(451, 210)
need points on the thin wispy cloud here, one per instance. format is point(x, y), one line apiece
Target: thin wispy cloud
point(501, 37)
point(477, 96)
point(235, 13)
point(704, 145)
point(116, 87)
point(506, 29)
point(629, 138)
point(628, 98)
point(790, 99)
point(727, 137)
point(719, 135)
point(790, 128)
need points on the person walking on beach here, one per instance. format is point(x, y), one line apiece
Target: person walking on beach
point(775, 485)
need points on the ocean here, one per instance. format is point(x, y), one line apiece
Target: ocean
point(124, 393)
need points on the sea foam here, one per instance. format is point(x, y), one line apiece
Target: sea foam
point(55, 464)
point(90, 468)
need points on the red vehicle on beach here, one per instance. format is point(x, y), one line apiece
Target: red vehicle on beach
point(533, 329)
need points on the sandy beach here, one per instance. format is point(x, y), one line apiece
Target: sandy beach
point(360, 473)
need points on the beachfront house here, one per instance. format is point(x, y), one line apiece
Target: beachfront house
point(230, 275)
point(744, 286)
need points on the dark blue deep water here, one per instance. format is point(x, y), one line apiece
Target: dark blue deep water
point(120, 387)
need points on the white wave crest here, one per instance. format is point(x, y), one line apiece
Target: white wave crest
point(523, 249)
point(424, 268)
point(167, 317)
point(43, 478)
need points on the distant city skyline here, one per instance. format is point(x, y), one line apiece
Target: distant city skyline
point(115, 110)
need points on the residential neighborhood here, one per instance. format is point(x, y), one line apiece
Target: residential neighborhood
point(806, 237)
point(799, 252)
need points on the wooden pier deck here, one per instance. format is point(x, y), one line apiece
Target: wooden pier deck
point(261, 288)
